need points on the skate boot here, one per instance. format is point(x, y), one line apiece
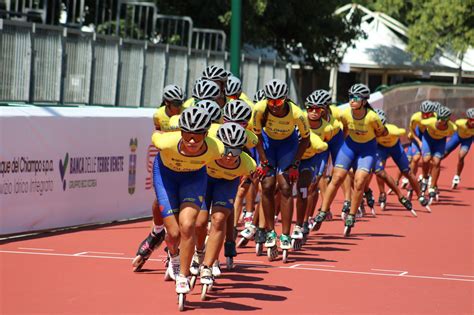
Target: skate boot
point(305, 231)
point(146, 248)
point(456, 181)
point(296, 237)
point(349, 224)
point(382, 201)
point(248, 217)
point(207, 280)
point(432, 194)
point(230, 252)
point(407, 204)
point(405, 183)
point(182, 288)
point(260, 238)
point(285, 245)
point(369, 197)
point(246, 235)
point(270, 244)
point(196, 263)
point(345, 209)
point(319, 220)
point(424, 185)
point(360, 210)
point(172, 271)
point(424, 202)
point(216, 269)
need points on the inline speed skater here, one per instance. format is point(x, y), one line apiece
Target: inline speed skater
point(462, 137)
point(280, 152)
point(180, 180)
point(389, 146)
point(434, 146)
point(225, 175)
point(171, 106)
point(362, 125)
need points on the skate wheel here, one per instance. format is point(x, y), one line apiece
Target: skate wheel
point(437, 197)
point(409, 195)
point(242, 242)
point(413, 212)
point(272, 253)
point(373, 212)
point(258, 249)
point(138, 263)
point(192, 282)
point(181, 301)
point(428, 208)
point(343, 216)
point(230, 263)
point(285, 256)
point(454, 186)
point(382, 206)
point(431, 201)
point(204, 289)
point(347, 231)
point(390, 192)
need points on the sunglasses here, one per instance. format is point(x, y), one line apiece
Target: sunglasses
point(426, 115)
point(197, 137)
point(443, 118)
point(315, 109)
point(354, 97)
point(276, 102)
point(175, 103)
point(232, 151)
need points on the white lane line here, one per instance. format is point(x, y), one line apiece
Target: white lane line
point(450, 275)
point(42, 249)
point(106, 253)
point(294, 268)
point(80, 254)
point(382, 274)
point(400, 272)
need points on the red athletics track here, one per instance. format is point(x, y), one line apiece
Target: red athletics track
point(393, 264)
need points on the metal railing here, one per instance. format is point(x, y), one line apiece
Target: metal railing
point(56, 65)
point(208, 39)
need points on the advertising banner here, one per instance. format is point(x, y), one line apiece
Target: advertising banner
point(70, 166)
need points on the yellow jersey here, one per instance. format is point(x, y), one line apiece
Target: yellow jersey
point(168, 144)
point(162, 120)
point(334, 120)
point(188, 103)
point(394, 133)
point(246, 166)
point(362, 130)
point(279, 128)
point(434, 132)
point(464, 131)
point(324, 131)
point(246, 99)
point(252, 139)
point(316, 145)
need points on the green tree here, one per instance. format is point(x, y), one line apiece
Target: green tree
point(305, 28)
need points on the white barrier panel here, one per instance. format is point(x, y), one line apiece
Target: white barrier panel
point(69, 166)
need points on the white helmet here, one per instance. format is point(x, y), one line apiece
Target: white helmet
point(195, 120)
point(215, 73)
point(233, 86)
point(382, 115)
point(206, 90)
point(237, 111)
point(212, 108)
point(276, 89)
point(320, 98)
point(436, 105)
point(260, 95)
point(173, 93)
point(470, 113)
point(427, 107)
point(360, 90)
point(444, 112)
point(232, 135)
